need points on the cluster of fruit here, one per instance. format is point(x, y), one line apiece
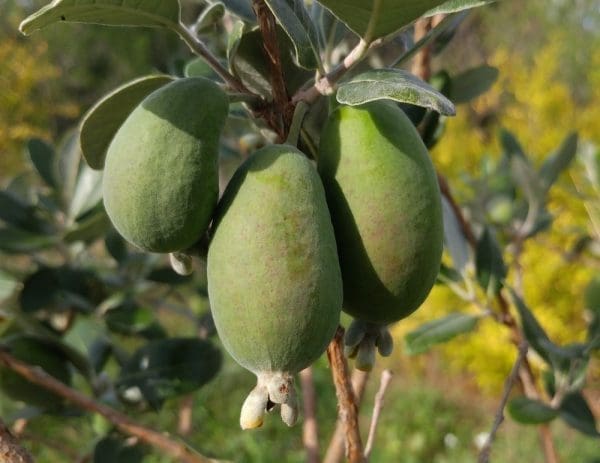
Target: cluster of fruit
point(290, 243)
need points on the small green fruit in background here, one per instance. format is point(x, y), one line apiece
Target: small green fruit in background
point(385, 205)
point(160, 183)
point(274, 280)
point(35, 352)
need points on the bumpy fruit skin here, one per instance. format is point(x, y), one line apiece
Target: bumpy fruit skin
point(160, 182)
point(386, 210)
point(274, 280)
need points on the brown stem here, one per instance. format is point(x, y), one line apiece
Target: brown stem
point(280, 115)
point(10, 449)
point(310, 430)
point(526, 376)
point(184, 422)
point(336, 448)
point(160, 441)
point(422, 62)
point(484, 455)
point(386, 377)
point(347, 407)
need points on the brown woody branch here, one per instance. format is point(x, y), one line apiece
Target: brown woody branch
point(336, 448)
point(11, 450)
point(484, 454)
point(310, 430)
point(347, 407)
point(281, 113)
point(160, 441)
point(386, 377)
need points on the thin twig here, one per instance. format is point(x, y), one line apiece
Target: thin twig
point(198, 47)
point(310, 430)
point(184, 421)
point(169, 446)
point(11, 450)
point(348, 410)
point(326, 84)
point(336, 448)
point(386, 377)
point(484, 454)
point(422, 62)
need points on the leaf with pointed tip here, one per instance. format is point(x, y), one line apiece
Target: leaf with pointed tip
point(297, 24)
point(510, 144)
point(529, 411)
point(149, 13)
point(42, 157)
point(371, 19)
point(88, 229)
point(575, 411)
point(472, 83)
point(102, 121)
point(166, 368)
point(454, 6)
point(198, 67)
point(489, 263)
point(24, 216)
point(438, 331)
point(454, 238)
point(87, 194)
point(210, 16)
point(242, 9)
point(15, 241)
point(393, 84)
point(555, 164)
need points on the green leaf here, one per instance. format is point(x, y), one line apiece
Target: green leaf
point(14, 241)
point(575, 411)
point(393, 84)
point(296, 22)
point(454, 6)
point(510, 144)
point(130, 319)
point(248, 61)
point(8, 284)
point(198, 67)
point(454, 238)
point(153, 13)
point(438, 331)
point(13, 211)
point(533, 331)
point(371, 19)
point(116, 246)
point(102, 121)
point(87, 193)
point(42, 157)
point(472, 83)
point(169, 367)
point(555, 164)
point(60, 288)
point(167, 276)
point(88, 229)
point(210, 16)
point(529, 411)
point(489, 264)
point(68, 162)
point(447, 26)
point(115, 449)
point(242, 9)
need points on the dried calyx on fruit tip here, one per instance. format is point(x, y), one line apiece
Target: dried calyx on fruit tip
point(362, 339)
point(271, 389)
point(181, 263)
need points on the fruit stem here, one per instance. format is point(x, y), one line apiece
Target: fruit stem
point(299, 114)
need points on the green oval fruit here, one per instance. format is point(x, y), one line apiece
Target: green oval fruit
point(160, 181)
point(386, 210)
point(274, 280)
point(35, 352)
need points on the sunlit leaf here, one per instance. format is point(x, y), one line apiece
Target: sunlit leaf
point(164, 13)
point(438, 331)
point(393, 84)
point(102, 121)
